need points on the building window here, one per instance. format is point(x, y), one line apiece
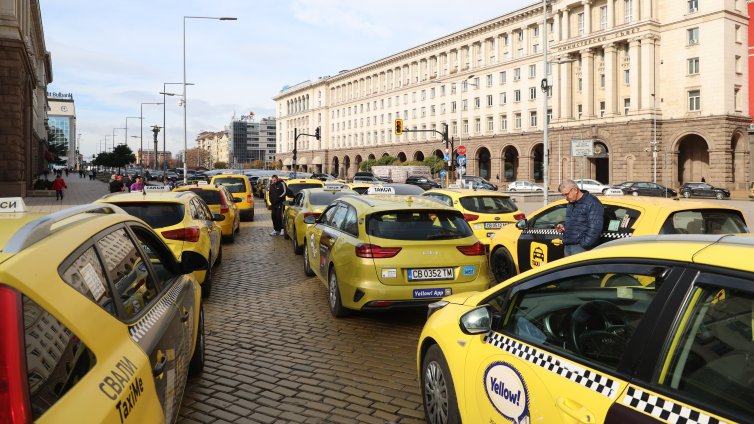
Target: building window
point(581, 84)
point(532, 93)
point(738, 65)
point(693, 5)
point(465, 105)
point(626, 76)
point(581, 23)
point(602, 109)
point(535, 31)
point(465, 126)
point(695, 100)
point(489, 80)
point(442, 108)
point(516, 74)
point(628, 11)
point(502, 78)
point(453, 107)
point(737, 99)
point(517, 121)
point(738, 34)
point(503, 98)
point(520, 35)
point(532, 71)
point(549, 116)
point(579, 111)
point(533, 119)
point(602, 80)
point(692, 36)
point(516, 95)
point(477, 103)
point(626, 106)
point(490, 124)
point(693, 66)
point(490, 102)
point(477, 125)
point(603, 17)
point(503, 122)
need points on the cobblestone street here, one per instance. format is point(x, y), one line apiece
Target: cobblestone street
point(276, 355)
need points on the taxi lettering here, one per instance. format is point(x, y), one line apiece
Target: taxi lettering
point(8, 205)
point(125, 407)
point(498, 387)
point(115, 383)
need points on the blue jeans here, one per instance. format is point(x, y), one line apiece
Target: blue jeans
point(572, 249)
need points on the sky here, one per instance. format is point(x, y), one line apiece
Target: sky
point(114, 56)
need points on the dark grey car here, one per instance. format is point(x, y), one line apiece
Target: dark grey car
point(703, 190)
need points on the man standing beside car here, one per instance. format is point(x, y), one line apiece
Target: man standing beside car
point(277, 192)
point(584, 218)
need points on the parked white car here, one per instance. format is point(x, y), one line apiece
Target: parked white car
point(524, 186)
point(592, 186)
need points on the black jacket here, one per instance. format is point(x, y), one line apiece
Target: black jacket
point(116, 186)
point(278, 192)
point(584, 220)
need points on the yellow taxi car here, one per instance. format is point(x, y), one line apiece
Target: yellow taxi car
point(534, 241)
point(98, 321)
point(182, 219)
point(309, 202)
point(360, 188)
point(239, 186)
point(652, 329)
point(294, 185)
point(221, 201)
point(383, 252)
point(486, 211)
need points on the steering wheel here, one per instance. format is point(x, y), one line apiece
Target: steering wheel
point(598, 331)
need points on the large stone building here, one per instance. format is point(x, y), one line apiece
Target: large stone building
point(217, 144)
point(656, 86)
point(61, 123)
point(25, 71)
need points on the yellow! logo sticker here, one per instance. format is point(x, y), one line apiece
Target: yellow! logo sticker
point(537, 254)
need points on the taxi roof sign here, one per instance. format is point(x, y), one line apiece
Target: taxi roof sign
point(201, 183)
point(156, 188)
point(381, 190)
point(12, 205)
point(333, 187)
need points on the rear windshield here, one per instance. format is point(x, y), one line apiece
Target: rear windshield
point(295, 188)
point(211, 197)
point(418, 225)
point(325, 198)
point(157, 215)
point(709, 221)
point(488, 204)
point(234, 185)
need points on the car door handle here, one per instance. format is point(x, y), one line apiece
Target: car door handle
point(160, 367)
point(575, 410)
point(185, 315)
point(556, 242)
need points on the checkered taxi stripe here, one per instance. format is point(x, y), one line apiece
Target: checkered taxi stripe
point(604, 235)
point(589, 379)
point(142, 327)
point(664, 409)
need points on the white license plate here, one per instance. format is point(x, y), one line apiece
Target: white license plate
point(430, 274)
point(493, 225)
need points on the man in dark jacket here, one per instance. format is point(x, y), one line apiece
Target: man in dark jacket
point(277, 192)
point(584, 217)
point(116, 185)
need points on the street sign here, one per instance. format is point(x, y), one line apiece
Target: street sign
point(443, 173)
point(461, 170)
point(461, 160)
point(582, 147)
point(461, 150)
point(447, 157)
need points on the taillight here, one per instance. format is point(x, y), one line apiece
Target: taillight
point(470, 217)
point(519, 216)
point(185, 234)
point(224, 208)
point(14, 399)
point(249, 198)
point(308, 214)
point(476, 249)
point(374, 251)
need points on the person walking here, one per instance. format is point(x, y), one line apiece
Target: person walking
point(278, 191)
point(584, 218)
point(59, 185)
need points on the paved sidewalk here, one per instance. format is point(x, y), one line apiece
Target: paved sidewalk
point(80, 191)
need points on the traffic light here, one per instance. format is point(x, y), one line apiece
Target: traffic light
point(316, 133)
point(398, 126)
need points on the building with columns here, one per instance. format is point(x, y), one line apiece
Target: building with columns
point(658, 87)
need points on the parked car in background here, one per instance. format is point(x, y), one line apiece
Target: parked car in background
point(240, 187)
point(703, 190)
point(640, 188)
point(477, 183)
point(322, 176)
point(592, 186)
point(525, 186)
point(422, 181)
point(366, 179)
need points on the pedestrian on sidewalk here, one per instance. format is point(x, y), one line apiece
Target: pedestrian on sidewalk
point(138, 185)
point(277, 191)
point(59, 185)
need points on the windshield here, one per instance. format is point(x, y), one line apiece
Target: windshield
point(157, 215)
point(234, 185)
point(418, 225)
point(326, 197)
point(295, 188)
point(488, 204)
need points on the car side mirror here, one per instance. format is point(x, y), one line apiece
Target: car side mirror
point(477, 321)
point(218, 217)
point(192, 261)
point(310, 220)
point(522, 224)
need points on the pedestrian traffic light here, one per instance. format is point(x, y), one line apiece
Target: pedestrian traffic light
point(398, 126)
point(316, 133)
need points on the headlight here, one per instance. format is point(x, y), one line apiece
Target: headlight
point(436, 306)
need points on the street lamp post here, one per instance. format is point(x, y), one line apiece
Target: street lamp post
point(185, 105)
point(141, 134)
point(126, 137)
point(654, 138)
point(545, 126)
point(164, 130)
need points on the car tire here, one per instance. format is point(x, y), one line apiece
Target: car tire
point(512, 190)
point(719, 196)
point(251, 215)
point(438, 390)
point(297, 249)
point(307, 266)
point(207, 283)
point(604, 191)
point(219, 258)
point(333, 296)
point(501, 265)
point(232, 237)
point(686, 194)
point(635, 193)
point(196, 365)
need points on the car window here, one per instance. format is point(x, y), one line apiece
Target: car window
point(298, 200)
point(211, 197)
point(591, 316)
point(488, 204)
point(157, 215)
point(439, 198)
point(618, 219)
point(704, 222)
point(56, 359)
point(350, 224)
point(134, 287)
point(295, 188)
point(160, 258)
point(87, 276)
point(418, 225)
point(338, 218)
point(709, 359)
point(549, 218)
point(234, 185)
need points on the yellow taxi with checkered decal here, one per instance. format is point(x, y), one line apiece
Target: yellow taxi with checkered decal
point(486, 211)
point(309, 202)
point(534, 241)
point(219, 200)
point(98, 321)
point(380, 252)
point(652, 329)
point(182, 219)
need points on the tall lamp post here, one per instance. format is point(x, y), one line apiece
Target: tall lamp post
point(545, 126)
point(141, 134)
point(164, 132)
point(125, 139)
point(185, 105)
